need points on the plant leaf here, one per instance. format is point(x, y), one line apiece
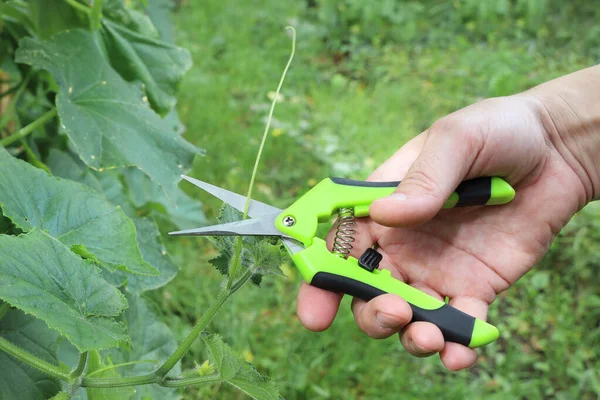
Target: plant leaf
point(154, 252)
point(151, 340)
point(95, 364)
point(70, 212)
point(159, 12)
point(182, 210)
point(159, 65)
point(237, 372)
point(17, 379)
point(39, 275)
point(106, 118)
point(69, 166)
point(52, 16)
point(263, 254)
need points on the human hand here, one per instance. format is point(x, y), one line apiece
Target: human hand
point(469, 254)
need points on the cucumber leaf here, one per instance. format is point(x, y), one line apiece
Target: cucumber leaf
point(107, 118)
point(159, 65)
point(17, 379)
point(41, 276)
point(154, 252)
point(52, 16)
point(239, 373)
point(71, 212)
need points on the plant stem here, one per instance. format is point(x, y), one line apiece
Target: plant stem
point(80, 366)
point(194, 380)
point(159, 375)
point(119, 382)
point(193, 335)
point(4, 307)
point(237, 250)
point(119, 366)
point(26, 130)
point(30, 359)
point(79, 6)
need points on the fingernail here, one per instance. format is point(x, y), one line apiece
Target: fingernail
point(387, 321)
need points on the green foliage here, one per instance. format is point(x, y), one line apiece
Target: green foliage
point(40, 276)
point(72, 213)
point(90, 90)
point(262, 255)
point(92, 152)
point(34, 336)
point(237, 372)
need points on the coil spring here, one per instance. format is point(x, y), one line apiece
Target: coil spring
point(344, 234)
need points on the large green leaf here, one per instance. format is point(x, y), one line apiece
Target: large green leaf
point(155, 253)
point(237, 372)
point(52, 16)
point(152, 341)
point(159, 65)
point(42, 277)
point(71, 212)
point(160, 14)
point(106, 118)
point(180, 209)
point(148, 235)
point(17, 379)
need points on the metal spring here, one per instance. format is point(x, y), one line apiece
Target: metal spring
point(344, 235)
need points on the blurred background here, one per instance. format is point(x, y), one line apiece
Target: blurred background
point(368, 76)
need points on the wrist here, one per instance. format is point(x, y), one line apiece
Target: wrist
point(569, 111)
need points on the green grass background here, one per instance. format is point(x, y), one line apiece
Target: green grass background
point(367, 77)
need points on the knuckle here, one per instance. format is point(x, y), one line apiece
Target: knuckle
point(423, 178)
point(467, 131)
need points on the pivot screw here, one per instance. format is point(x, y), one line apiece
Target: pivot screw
point(289, 221)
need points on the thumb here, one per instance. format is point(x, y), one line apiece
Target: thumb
point(449, 151)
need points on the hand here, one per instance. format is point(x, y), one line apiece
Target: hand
point(468, 254)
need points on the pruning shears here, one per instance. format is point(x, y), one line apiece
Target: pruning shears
point(335, 270)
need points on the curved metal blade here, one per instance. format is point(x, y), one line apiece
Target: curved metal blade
point(256, 208)
point(264, 226)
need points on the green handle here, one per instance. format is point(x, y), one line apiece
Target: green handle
point(319, 203)
point(325, 270)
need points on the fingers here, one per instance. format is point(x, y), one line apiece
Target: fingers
point(423, 339)
point(316, 307)
point(455, 356)
point(383, 316)
point(450, 149)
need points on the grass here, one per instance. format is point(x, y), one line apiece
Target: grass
point(345, 109)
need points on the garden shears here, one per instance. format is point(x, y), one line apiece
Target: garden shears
point(337, 271)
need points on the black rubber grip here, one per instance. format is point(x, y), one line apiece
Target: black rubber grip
point(456, 326)
point(350, 182)
point(473, 192)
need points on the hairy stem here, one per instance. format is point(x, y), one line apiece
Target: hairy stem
point(159, 375)
point(80, 366)
point(237, 250)
point(119, 382)
point(81, 7)
point(115, 366)
point(193, 335)
point(30, 359)
point(26, 130)
point(194, 380)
